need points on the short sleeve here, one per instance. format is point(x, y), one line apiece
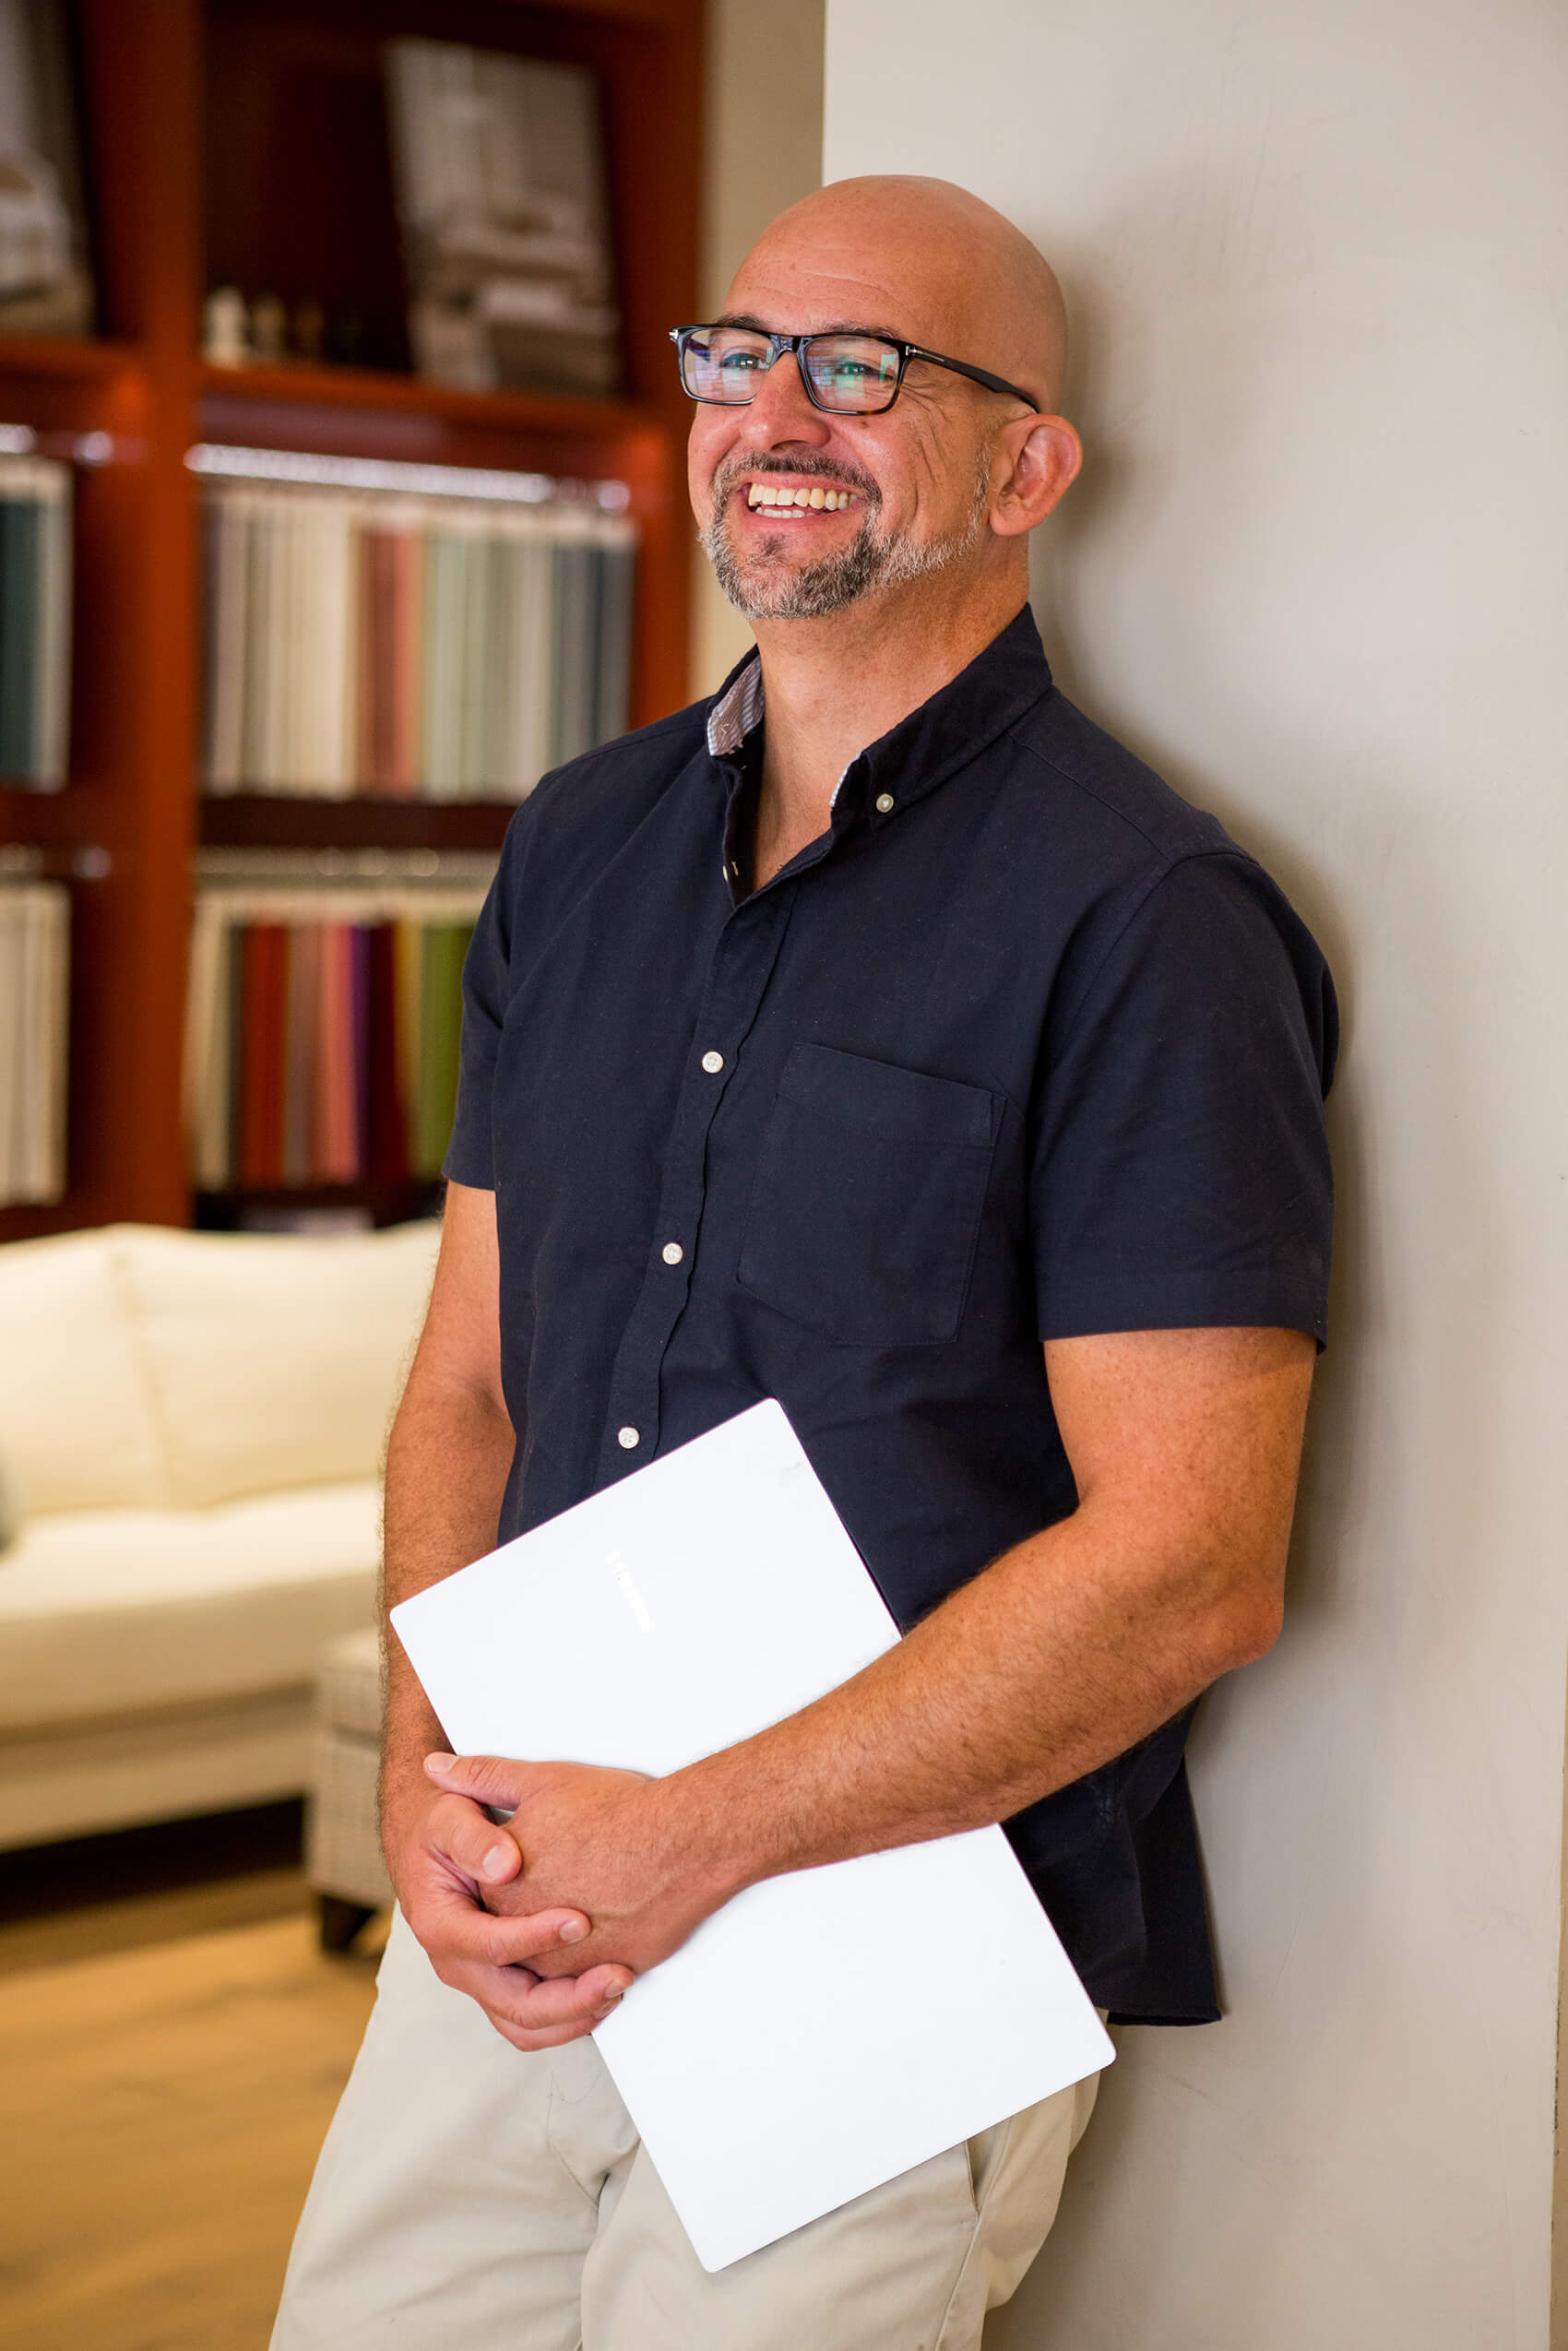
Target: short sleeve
point(1179, 1174)
point(470, 1155)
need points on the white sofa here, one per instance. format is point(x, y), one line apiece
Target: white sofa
point(194, 1424)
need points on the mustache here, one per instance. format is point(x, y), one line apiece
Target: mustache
point(851, 477)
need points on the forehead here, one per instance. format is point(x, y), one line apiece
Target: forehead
point(805, 279)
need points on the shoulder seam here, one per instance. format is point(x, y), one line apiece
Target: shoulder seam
point(1172, 862)
point(1081, 784)
point(619, 743)
point(673, 718)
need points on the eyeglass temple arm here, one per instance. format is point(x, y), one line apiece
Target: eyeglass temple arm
point(975, 374)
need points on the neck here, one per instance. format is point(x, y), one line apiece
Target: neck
point(834, 685)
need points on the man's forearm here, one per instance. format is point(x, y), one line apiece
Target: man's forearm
point(447, 1467)
point(1024, 1680)
point(1065, 1653)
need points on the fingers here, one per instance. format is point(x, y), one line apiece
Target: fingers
point(457, 1932)
point(449, 1924)
point(532, 2043)
point(531, 2015)
point(458, 1831)
point(543, 2004)
point(485, 1857)
point(486, 1779)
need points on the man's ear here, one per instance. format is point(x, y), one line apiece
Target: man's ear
point(1045, 455)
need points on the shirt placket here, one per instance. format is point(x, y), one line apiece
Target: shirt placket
point(742, 965)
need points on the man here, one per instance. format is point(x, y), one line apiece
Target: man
point(883, 1038)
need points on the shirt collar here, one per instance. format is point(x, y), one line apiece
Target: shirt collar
point(737, 708)
point(959, 721)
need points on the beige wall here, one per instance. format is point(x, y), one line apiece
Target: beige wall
point(1315, 572)
point(764, 149)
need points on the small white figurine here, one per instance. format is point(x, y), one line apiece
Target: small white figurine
point(225, 341)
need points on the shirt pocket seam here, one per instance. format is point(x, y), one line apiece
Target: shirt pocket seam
point(920, 1090)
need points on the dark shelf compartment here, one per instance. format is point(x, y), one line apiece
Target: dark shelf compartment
point(298, 174)
point(268, 820)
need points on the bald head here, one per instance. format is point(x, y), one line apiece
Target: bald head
point(923, 259)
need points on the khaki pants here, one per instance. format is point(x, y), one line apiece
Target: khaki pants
point(469, 2198)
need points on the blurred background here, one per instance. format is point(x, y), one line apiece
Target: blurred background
point(341, 494)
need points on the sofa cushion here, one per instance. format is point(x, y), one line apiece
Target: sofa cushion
point(274, 1361)
point(349, 1685)
point(76, 1424)
point(115, 1611)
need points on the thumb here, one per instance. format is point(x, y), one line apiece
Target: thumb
point(495, 1780)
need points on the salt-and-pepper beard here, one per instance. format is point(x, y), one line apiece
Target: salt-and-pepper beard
point(871, 561)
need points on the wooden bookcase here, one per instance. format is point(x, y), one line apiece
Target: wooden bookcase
point(244, 141)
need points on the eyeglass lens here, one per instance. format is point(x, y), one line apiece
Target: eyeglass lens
point(855, 374)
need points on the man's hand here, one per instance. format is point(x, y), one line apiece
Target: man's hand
point(606, 1842)
point(445, 1855)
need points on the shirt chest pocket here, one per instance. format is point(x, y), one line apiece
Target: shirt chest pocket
point(869, 1184)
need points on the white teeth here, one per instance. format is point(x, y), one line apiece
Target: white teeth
point(760, 494)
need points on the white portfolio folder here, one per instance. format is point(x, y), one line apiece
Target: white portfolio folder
point(826, 2030)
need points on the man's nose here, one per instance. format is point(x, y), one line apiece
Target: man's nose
point(782, 409)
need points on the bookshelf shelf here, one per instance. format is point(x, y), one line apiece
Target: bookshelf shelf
point(90, 360)
point(236, 141)
point(356, 413)
point(266, 819)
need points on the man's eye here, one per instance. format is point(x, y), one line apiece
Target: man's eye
point(739, 362)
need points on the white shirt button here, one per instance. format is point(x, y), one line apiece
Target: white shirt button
point(883, 802)
point(672, 1253)
point(713, 1064)
point(627, 1437)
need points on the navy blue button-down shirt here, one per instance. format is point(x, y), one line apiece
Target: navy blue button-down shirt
point(1022, 1047)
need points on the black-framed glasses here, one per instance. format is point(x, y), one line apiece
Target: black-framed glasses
point(845, 375)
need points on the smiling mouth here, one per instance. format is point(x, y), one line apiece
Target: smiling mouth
point(790, 496)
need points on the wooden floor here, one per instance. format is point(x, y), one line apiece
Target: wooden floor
point(169, 2062)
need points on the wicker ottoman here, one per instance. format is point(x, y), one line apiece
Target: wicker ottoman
point(344, 1863)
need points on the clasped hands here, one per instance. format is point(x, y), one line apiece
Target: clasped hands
point(546, 1921)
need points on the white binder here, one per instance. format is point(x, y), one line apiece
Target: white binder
point(818, 2036)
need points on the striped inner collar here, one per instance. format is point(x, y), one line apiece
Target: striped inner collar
point(731, 720)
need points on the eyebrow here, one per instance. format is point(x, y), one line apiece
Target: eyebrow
point(836, 326)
